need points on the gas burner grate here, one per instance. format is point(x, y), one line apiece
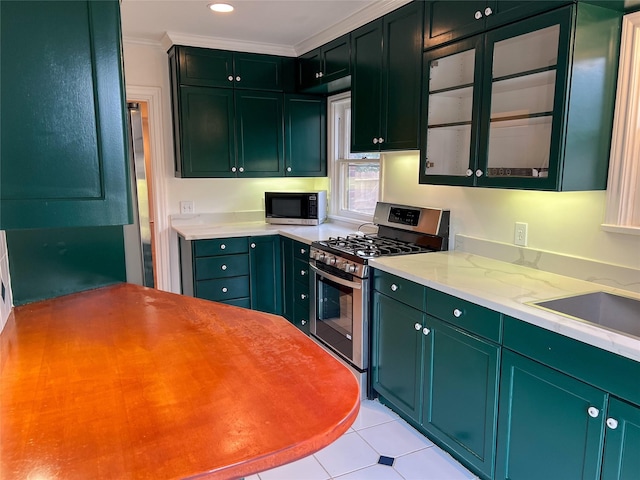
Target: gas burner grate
point(370, 246)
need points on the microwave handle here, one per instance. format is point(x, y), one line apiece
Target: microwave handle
point(338, 280)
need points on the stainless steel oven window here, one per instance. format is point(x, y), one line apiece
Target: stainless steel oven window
point(339, 315)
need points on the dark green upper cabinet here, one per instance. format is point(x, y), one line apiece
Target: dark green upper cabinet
point(64, 158)
point(305, 136)
point(386, 70)
point(528, 105)
point(447, 21)
point(221, 68)
point(326, 69)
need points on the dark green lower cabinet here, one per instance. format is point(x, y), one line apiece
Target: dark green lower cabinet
point(295, 282)
point(460, 392)
point(397, 354)
point(622, 442)
point(551, 426)
point(265, 274)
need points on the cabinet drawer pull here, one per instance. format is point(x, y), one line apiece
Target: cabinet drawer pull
point(253, 245)
point(303, 296)
point(288, 169)
point(469, 172)
point(223, 246)
point(593, 412)
point(225, 289)
point(479, 173)
point(457, 312)
point(381, 140)
point(303, 272)
point(303, 322)
point(394, 287)
point(612, 423)
point(417, 326)
point(230, 78)
point(375, 141)
point(233, 169)
point(320, 75)
point(426, 331)
point(223, 267)
point(303, 250)
point(238, 78)
point(488, 11)
point(478, 15)
point(241, 169)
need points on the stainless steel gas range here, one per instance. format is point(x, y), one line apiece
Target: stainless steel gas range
point(339, 316)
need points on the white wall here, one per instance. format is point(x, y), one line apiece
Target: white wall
point(561, 222)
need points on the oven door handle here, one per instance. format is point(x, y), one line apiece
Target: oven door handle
point(333, 278)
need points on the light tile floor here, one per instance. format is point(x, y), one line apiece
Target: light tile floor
point(377, 432)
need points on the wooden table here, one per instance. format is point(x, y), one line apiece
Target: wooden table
point(127, 382)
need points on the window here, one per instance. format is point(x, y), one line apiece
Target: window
point(623, 188)
point(355, 177)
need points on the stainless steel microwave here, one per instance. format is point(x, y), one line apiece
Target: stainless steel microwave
point(296, 208)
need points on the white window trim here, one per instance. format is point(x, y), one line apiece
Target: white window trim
point(623, 197)
point(336, 212)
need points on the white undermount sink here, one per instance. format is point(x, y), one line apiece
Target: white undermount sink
point(614, 312)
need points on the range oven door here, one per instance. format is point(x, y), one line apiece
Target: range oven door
point(339, 314)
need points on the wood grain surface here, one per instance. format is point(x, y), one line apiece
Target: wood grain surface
point(127, 382)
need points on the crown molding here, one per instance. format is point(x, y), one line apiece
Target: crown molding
point(141, 41)
point(174, 38)
point(358, 19)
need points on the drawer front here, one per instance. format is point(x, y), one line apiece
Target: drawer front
point(400, 289)
point(465, 315)
point(222, 289)
point(301, 251)
point(244, 302)
point(222, 266)
point(301, 293)
point(301, 271)
point(301, 316)
point(221, 246)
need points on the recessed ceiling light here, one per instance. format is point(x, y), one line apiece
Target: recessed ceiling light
point(221, 7)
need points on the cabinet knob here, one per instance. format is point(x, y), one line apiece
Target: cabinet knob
point(303, 296)
point(241, 169)
point(223, 267)
point(233, 169)
point(469, 172)
point(612, 423)
point(288, 169)
point(320, 75)
point(394, 287)
point(417, 326)
point(303, 250)
point(238, 78)
point(317, 75)
point(230, 78)
point(223, 246)
point(457, 312)
point(593, 412)
point(487, 11)
point(478, 15)
point(381, 140)
point(375, 141)
point(253, 245)
point(303, 272)
point(303, 322)
point(479, 173)
point(426, 331)
point(225, 289)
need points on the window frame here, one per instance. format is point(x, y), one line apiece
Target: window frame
point(623, 197)
point(337, 138)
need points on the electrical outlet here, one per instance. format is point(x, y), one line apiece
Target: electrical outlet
point(520, 237)
point(186, 207)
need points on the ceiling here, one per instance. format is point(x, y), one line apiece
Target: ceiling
point(272, 26)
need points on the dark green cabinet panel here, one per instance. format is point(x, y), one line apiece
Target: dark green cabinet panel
point(295, 280)
point(221, 246)
point(622, 444)
point(326, 69)
point(305, 136)
point(550, 425)
point(206, 117)
point(266, 275)
point(64, 157)
point(259, 133)
point(222, 68)
point(446, 21)
point(221, 266)
point(386, 67)
point(397, 353)
point(400, 289)
point(223, 289)
point(460, 392)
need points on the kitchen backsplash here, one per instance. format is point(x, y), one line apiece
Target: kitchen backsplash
point(6, 299)
point(616, 276)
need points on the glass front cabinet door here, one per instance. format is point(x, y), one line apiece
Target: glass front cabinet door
point(523, 106)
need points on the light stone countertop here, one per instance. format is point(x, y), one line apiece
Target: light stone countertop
point(506, 288)
point(497, 285)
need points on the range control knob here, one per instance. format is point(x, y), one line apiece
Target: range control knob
point(350, 268)
point(331, 261)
